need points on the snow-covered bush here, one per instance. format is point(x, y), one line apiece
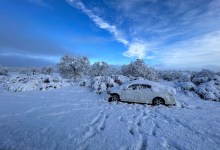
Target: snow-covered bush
point(71, 67)
point(120, 79)
point(47, 70)
point(209, 90)
point(29, 71)
point(204, 73)
point(21, 83)
point(3, 71)
point(139, 69)
point(188, 86)
point(99, 69)
point(23, 70)
point(185, 78)
point(206, 88)
point(169, 75)
point(85, 83)
point(200, 80)
point(34, 71)
point(99, 84)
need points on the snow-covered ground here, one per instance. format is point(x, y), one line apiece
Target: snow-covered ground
point(75, 118)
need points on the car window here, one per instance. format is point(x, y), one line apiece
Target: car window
point(135, 87)
point(145, 86)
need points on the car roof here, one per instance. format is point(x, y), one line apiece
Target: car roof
point(147, 82)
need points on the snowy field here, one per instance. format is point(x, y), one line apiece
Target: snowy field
point(75, 118)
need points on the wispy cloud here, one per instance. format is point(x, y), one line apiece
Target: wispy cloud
point(135, 48)
point(148, 26)
point(99, 21)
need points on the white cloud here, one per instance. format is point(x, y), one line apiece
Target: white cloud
point(99, 21)
point(136, 49)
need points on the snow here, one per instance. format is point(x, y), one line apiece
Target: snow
point(76, 118)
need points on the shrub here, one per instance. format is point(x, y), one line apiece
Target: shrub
point(47, 70)
point(204, 73)
point(169, 75)
point(3, 71)
point(21, 83)
point(188, 86)
point(209, 90)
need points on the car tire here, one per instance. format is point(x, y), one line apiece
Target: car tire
point(158, 101)
point(114, 97)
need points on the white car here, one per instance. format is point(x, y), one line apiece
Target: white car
point(143, 91)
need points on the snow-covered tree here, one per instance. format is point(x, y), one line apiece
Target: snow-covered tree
point(47, 70)
point(3, 70)
point(169, 75)
point(114, 70)
point(71, 67)
point(99, 69)
point(139, 69)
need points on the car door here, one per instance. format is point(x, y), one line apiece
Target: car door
point(130, 94)
point(145, 94)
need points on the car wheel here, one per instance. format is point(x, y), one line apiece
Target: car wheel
point(158, 101)
point(114, 97)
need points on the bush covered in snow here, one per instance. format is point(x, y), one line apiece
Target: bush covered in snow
point(29, 71)
point(200, 80)
point(3, 71)
point(21, 83)
point(188, 86)
point(71, 67)
point(99, 69)
point(204, 73)
point(206, 88)
point(210, 90)
point(47, 70)
point(139, 69)
point(99, 84)
point(187, 77)
point(169, 75)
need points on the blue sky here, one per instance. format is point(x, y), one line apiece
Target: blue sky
point(167, 34)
